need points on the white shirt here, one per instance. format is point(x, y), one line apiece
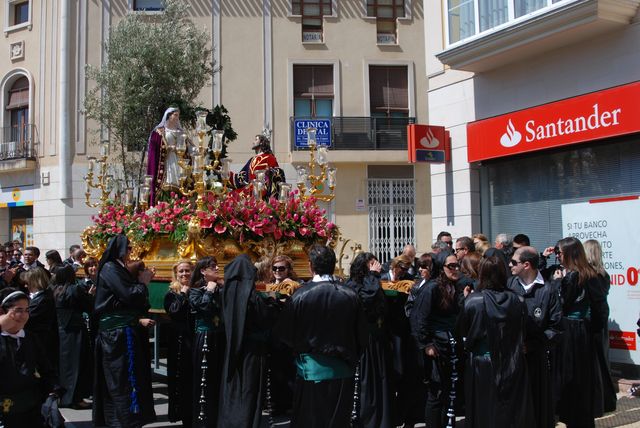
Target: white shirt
point(527, 287)
point(320, 278)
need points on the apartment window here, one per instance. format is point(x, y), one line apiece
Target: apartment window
point(17, 14)
point(386, 13)
point(147, 5)
point(313, 90)
point(312, 12)
point(467, 18)
point(18, 109)
point(388, 91)
point(20, 13)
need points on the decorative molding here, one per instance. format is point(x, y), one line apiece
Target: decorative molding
point(524, 38)
point(16, 50)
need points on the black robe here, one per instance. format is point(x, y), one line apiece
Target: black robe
point(122, 390)
point(325, 320)
point(76, 354)
point(208, 349)
point(375, 396)
point(180, 358)
point(27, 378)
point(434, 325)
point(43, 324)
point(248, 317)
point(544, 315)
point(586, 388)
point(496, 383)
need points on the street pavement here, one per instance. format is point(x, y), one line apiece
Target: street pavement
point(627, 414)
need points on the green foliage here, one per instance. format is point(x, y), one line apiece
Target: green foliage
point(153, 62)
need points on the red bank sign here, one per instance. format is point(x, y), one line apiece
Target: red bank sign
point(594, 116)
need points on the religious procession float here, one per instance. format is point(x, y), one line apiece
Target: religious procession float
point(190, 204)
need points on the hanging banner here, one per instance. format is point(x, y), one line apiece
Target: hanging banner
point(427, 143)
point(614, 223)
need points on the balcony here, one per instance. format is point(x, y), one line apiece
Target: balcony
point(562, 23)
point(17, 148)
point(363, 133)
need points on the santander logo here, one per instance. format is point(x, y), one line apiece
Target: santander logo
point(430, 141)
point(512, 137)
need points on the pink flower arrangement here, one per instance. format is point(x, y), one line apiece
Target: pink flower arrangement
point(235, 215)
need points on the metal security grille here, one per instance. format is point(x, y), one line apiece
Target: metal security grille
point(391, 216)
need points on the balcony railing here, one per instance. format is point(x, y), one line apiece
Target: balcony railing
point(17, 142)
point(364, 133)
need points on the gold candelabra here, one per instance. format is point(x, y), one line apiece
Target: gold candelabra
point(313, 178)
point(102, 181)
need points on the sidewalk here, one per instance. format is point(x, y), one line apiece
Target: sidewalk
point(627, 414)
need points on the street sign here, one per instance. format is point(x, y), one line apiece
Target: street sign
point(322, 127)
point(427, 143)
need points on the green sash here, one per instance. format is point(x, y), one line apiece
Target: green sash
point(316, 367)
point(118, 320)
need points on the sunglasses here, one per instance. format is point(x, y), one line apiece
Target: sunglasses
point(515, 262)
point(453, 266)
point(278, 268)
point(557, 251)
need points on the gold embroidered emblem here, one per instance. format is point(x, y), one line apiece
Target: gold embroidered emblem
point(6, 405)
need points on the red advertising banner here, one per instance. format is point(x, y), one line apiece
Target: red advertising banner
point(428, 143)
point(622, 340)
point(589, 117)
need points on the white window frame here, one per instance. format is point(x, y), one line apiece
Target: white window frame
point(143, 12)
point(511, 20)
point(8, 16)
point(411, 84)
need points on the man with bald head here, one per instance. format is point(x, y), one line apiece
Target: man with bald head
point(542, 328)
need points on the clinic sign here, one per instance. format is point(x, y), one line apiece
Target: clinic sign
point(322, 127)
point(589, 117)
point(613, 223)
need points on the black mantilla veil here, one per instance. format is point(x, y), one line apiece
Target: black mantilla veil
point(116, 250)
point(240, 276)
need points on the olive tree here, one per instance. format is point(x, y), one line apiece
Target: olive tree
point(153, 61)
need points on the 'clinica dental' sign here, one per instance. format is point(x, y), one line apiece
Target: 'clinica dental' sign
point(589, 117)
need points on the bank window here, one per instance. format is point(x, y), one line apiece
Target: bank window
point(312, 13)
point(466, 18)
point(313, 90)
point(388, 91)
point(147, 5)
point(386, 13)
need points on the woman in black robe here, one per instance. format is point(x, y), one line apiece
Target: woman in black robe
point(27, 375)
point(586, 386)
point(433, 319)
point(493, 322)
point(248, 317)
point(375, 398)
point(76, 355)
point(122, 390)
point(180, 352)
point(43, 321)
point(208, 344)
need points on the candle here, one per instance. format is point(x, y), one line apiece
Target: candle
point(322, 155)
point(87, 186)
point(128, 196)
point(302, 174)
point(285, 189)
point(225, 168)
point(144, 194)
point(332, 177)
point(197, 164)
point(104, 149)
point(260, 176)
point(217, 141)
point(92, 163)
point(311, 137)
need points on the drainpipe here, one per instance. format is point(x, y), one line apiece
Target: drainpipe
point(64, 126)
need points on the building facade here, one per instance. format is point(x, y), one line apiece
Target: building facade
point(357, 63)
point(534, 94)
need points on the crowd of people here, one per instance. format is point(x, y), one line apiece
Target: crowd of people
point(495, 333)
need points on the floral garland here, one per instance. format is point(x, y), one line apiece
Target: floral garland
point(236, 215)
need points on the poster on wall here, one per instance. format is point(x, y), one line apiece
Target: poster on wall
point(19, 230)
point(29, 232)
point(614, 223)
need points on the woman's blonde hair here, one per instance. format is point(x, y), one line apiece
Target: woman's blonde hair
point(36, 279)
point(175, 285)
point(593, 251)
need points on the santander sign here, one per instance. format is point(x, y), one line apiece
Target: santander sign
point(594, 116)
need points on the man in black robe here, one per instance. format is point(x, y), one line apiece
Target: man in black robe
point(248, 317)
point(122, 390)
point(325, 326)
point(542, 328)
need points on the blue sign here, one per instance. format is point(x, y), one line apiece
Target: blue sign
point(322, 127)
point(429, 155)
